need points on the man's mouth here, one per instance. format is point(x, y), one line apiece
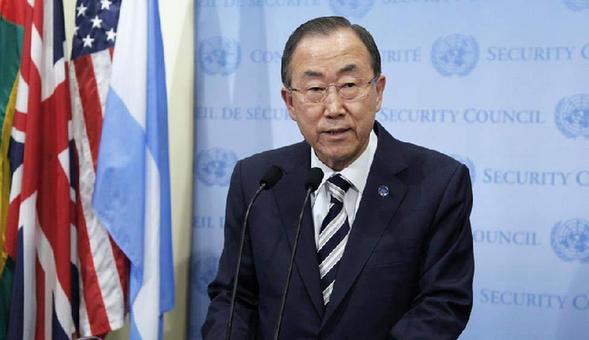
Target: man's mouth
point(335, 132)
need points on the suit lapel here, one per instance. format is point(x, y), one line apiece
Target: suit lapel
point(289, 194)
point(373, 216)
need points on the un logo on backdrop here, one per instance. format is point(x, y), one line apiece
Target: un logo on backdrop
point(577, 5)
point(572, 116)
point(351, 8)
point(214, 166)
point(219, 55)
point(205, 269)
point(469, 164)
point(570, 240)
point(455, 55)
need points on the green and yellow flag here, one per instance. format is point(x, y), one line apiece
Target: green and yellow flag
point(11, 39)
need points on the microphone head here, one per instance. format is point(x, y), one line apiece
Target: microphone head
point(314, 179)
point(271, 177)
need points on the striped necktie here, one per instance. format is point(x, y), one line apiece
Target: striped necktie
point(333, 235)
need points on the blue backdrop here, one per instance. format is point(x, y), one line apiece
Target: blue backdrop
point(502, 86)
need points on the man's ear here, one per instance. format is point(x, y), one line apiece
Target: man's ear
point(287, 98)
point(380, 85)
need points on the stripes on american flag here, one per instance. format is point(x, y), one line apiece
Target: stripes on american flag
point(103, 267)
point(40, 223)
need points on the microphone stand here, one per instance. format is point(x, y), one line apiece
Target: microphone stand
point(315, 178)
point(241, 243)
point(272, 175)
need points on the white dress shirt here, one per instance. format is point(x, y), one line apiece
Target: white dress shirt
point(356, 173)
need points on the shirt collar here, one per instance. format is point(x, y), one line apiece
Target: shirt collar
point(357, 172)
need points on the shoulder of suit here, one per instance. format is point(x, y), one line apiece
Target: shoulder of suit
point(425, 159)
point(281, 157)
point(412, 155)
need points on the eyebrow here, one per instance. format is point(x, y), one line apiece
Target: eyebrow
point(312, 74)
point(346, 69)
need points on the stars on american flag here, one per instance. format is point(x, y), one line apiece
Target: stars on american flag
point(111, 35)
point(96, 22)
point(88, 41)
point(96, 26)
point(81, 10)
point(105, 4)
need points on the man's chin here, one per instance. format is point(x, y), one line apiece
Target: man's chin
point(336, 159)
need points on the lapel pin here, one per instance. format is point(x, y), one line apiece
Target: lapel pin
point(383, 190)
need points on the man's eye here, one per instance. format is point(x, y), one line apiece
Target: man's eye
point(316, 89)
point(349, 85)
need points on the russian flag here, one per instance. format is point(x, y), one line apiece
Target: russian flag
point(132, 193)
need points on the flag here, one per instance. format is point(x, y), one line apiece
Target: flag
point(102, 265)
point(11, 38)
point(39, 227)
point(132, 192)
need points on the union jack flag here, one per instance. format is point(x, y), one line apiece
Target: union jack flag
point(41, 234)
point(70, 278)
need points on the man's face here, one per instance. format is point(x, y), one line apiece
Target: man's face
point(337, 129)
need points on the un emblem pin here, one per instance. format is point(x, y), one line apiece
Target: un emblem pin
point(205, 269)
point(469, 164)
point(218, 55)
point(351, 8)
point(570, 240)
point(455, 55)
point(572, 116)
point(577, 5)
point(214, 166)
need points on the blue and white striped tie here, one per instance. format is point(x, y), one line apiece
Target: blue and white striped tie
point(333, 235)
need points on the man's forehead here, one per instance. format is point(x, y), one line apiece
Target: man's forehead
point(346, 69)
point(327, 42)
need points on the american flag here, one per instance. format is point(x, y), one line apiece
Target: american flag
point(41, 235)
point(102, 265)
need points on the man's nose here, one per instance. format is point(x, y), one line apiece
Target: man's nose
point(334, 105)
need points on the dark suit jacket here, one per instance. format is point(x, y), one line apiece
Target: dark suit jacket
point(407, 269)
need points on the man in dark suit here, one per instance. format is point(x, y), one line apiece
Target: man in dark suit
point(386, 247)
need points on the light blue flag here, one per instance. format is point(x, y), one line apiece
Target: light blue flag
point(132, 194)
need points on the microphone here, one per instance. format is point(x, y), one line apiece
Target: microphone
point(314, 178)
point(270, 178)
